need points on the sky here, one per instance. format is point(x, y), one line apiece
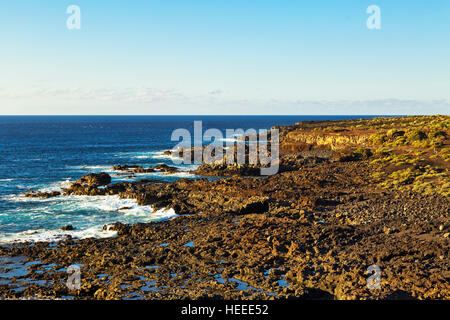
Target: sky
point(224, 57)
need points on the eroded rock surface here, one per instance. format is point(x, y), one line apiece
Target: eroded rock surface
point(309, 232)
point(95, 179)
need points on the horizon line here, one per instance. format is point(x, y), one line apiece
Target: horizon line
point(215, 115)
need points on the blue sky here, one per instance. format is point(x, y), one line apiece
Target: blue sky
point(224, 57)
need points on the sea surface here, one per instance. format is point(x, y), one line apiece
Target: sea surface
point(47, 153)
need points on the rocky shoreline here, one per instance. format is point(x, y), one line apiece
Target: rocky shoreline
point(341, 202)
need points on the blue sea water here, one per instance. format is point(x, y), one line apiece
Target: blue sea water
point(48, 152)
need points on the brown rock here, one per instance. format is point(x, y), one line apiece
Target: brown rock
point(95, 179)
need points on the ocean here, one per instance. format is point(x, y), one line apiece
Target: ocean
point(47, 153)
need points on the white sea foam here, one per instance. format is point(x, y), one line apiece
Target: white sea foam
point(135, 155)
point(146, 155)
point(104, 168)
point(73, 210)
point(127, 208)
point(161, 155)
point(21, 198)
point(44, 235)
point(57, 186)
point(110, 203)
point(182, 174)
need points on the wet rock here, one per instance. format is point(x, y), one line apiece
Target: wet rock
point(165, 168)
point(44, 195)
point(95, 179)
point(123, 167)
point(133, 169)
point(220, 169)
point(120, 228)
point(142, 170)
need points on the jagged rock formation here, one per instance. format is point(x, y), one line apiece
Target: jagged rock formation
point(337, 206)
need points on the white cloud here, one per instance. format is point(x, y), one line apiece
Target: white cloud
point(140, 95)
point(147, 100)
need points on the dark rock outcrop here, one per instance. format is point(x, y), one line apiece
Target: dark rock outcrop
point(95, 179)
point(44, 195)
point(251, 205)
point(165, 168)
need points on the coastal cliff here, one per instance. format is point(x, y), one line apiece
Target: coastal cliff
point(349, 194)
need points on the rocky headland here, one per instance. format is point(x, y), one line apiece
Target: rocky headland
point(348, 195)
